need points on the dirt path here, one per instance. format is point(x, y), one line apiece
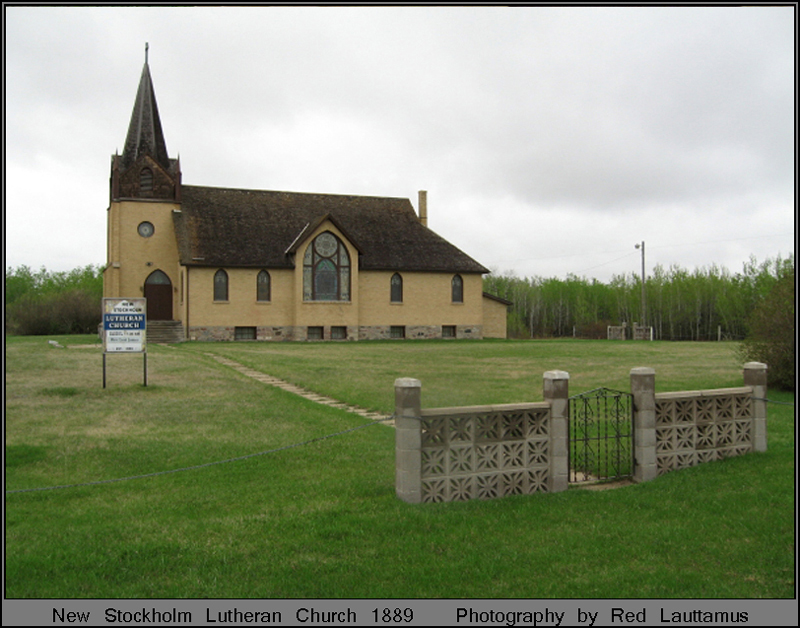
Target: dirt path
point(367, 414)
point(297, 390)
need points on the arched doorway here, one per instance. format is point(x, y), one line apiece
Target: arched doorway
point(158, 292)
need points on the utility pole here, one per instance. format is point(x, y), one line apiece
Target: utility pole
point(644, 311)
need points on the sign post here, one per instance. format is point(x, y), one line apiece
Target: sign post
point(124, 329)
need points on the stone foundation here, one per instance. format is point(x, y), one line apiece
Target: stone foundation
point(263, 333)
point(292, 333)
point(417, 332)
point(210, 334)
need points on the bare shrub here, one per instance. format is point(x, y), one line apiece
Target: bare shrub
point(73, 311)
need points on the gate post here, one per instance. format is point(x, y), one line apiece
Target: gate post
point(408, 439)
point(643, 388)
point(556, 392)
point(755, 375)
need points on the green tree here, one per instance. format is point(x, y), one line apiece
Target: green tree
point(681, 304)
point(19, 281)
point(44, 302)
point(771, 337)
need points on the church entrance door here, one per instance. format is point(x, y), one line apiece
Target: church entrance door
point(158, 292)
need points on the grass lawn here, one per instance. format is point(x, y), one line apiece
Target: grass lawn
point(321, 520)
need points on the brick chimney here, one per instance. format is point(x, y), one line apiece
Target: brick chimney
point(423, 208)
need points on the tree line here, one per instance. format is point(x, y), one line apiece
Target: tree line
point(679, 304)
point(51, 303)
point(756, 305)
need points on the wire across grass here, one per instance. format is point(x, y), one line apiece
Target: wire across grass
point(322, 520)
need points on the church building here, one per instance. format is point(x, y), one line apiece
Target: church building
point(232, 264)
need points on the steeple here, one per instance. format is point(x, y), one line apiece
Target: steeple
point(144, 170)
point(144, 132)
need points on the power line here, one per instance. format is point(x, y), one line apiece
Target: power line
point(605, 263)
point(652, 246)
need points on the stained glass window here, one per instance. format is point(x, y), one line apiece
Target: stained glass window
point(263, 292)
point(326, 270)
point(458, 289)
point(158, 277)
point(220, 285)
point(397, 288)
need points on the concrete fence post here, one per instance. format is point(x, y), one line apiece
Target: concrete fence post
point(643, 388)
point(755, 375)
point(556, 392)
point(408, 439)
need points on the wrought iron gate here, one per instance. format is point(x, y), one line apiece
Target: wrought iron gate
point(600, 435)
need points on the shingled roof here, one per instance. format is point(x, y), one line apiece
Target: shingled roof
point(257, 228)
point(144, 131)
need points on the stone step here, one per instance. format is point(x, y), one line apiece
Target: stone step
point(164, 332)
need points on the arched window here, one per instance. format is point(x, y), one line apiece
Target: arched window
point(263, 286)
point(457, 286)
point(158, 277)
point(146, 180)
point(220, 285)
point(326, 270)
point(397, 288)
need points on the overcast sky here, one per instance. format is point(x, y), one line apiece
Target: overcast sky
point(550, 140)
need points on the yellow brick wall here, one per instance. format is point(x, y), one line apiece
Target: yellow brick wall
point(427, 300)
point(131, 258)
point(495, 318)
point(242, 307)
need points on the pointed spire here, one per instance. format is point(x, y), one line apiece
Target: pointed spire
point(144, 133)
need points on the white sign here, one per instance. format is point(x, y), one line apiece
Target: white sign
point(125, 325)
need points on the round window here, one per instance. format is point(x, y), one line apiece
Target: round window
point(146, 229)
point(326, 244)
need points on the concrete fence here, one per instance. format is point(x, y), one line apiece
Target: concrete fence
point(616, 332)
point(620, 332)
point(485, 452)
